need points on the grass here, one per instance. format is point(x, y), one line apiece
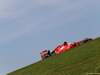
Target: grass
point(81, 60)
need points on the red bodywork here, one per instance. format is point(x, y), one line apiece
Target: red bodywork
point(62, 47)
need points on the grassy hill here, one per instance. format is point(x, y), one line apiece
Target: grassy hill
point(81, 60)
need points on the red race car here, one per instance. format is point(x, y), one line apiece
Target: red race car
point(63, 47)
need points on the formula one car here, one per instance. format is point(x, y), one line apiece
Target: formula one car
point(63, 47)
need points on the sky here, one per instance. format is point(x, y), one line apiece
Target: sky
point(27, 27)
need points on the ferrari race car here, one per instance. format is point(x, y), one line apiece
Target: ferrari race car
point(46, 53)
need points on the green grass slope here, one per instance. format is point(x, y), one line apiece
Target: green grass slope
point(81, 60)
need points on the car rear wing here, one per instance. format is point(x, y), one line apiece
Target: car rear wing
point(43, 53)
